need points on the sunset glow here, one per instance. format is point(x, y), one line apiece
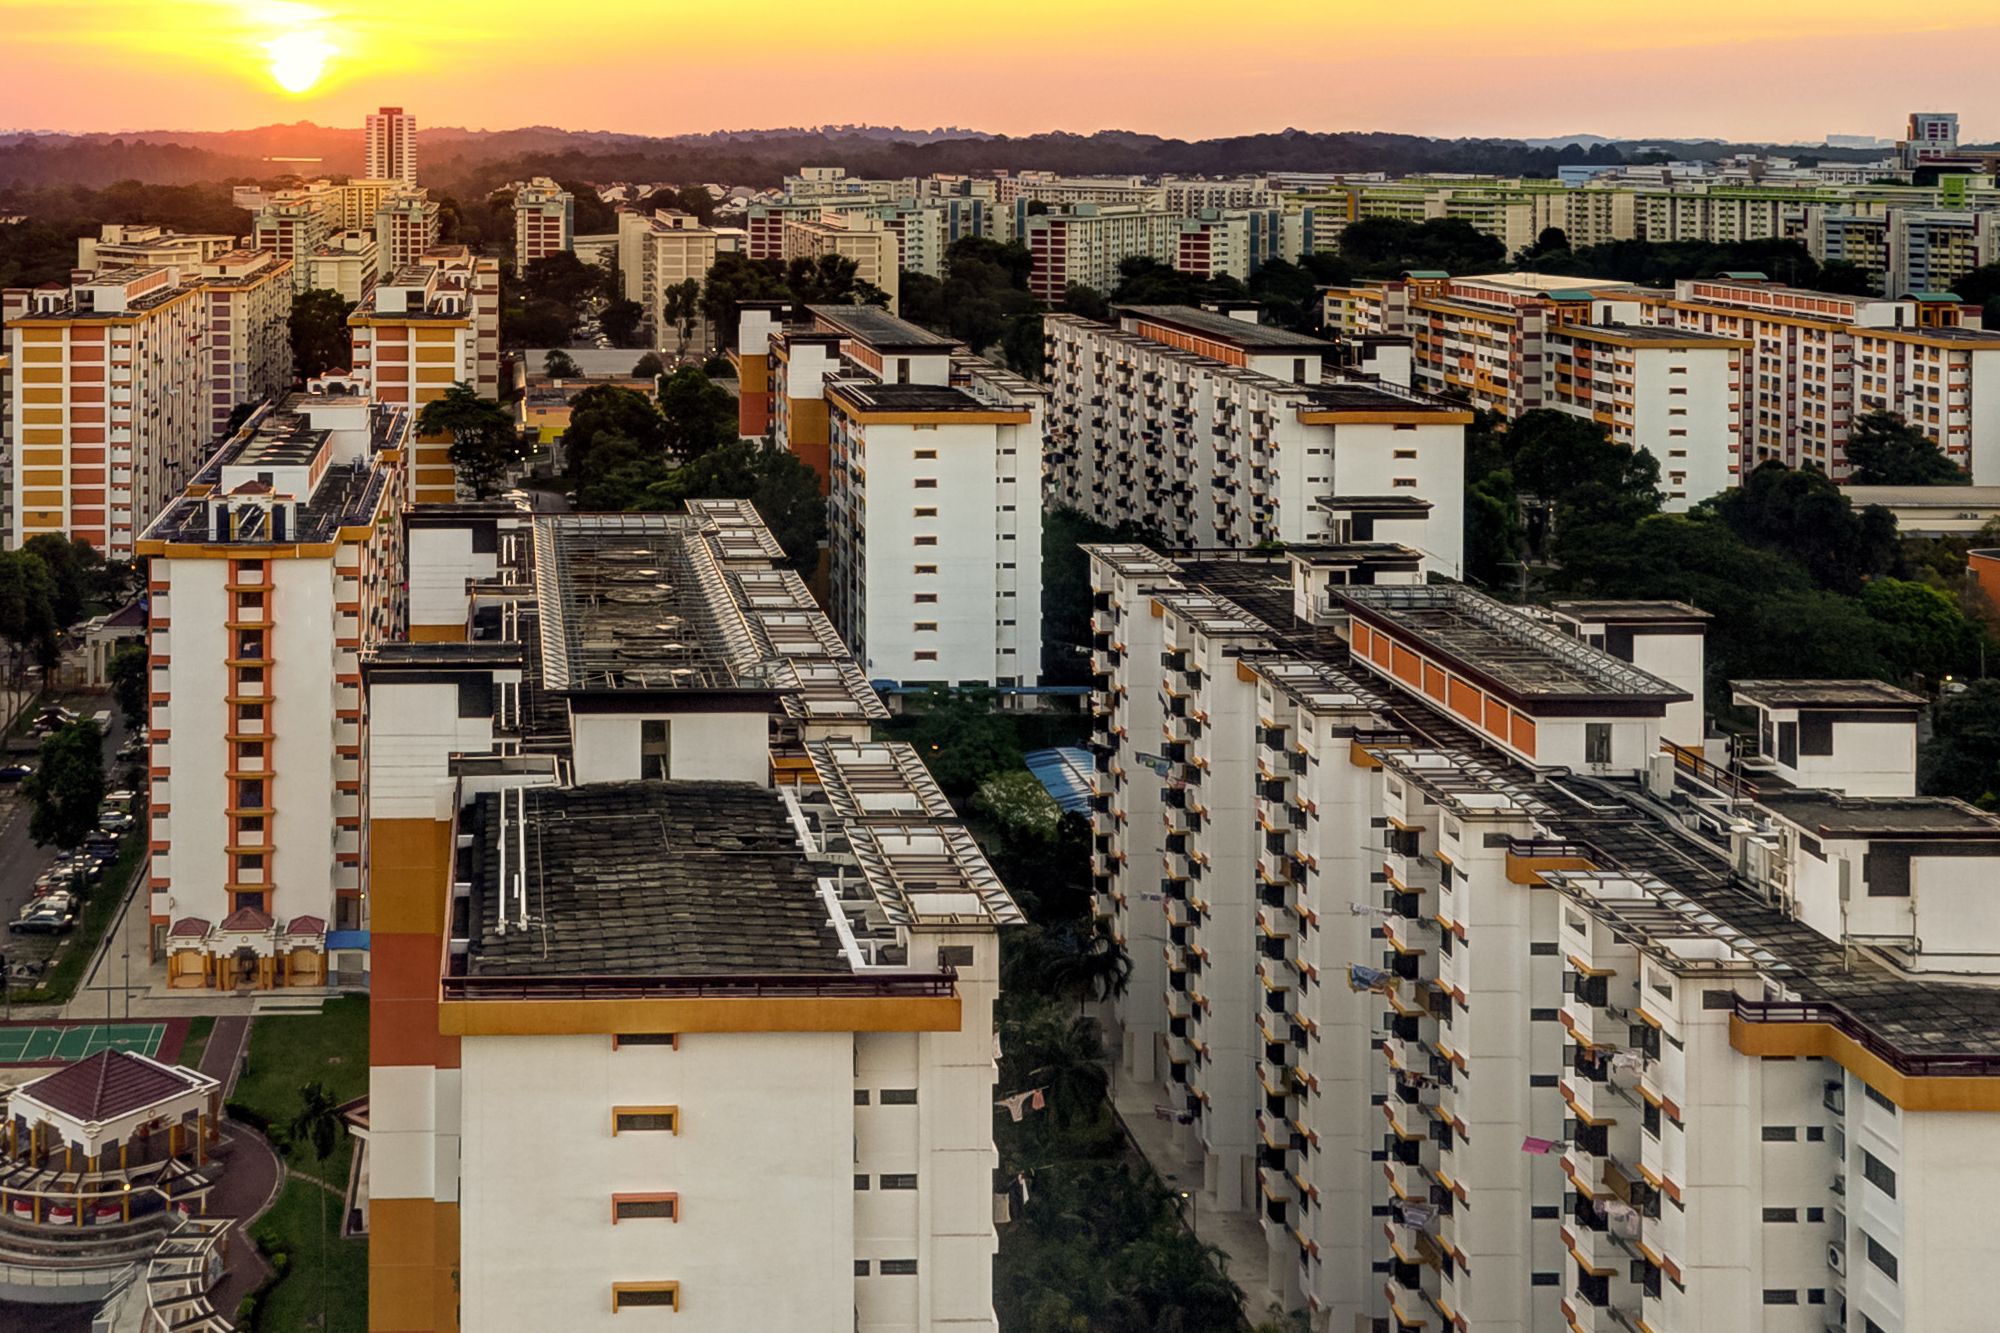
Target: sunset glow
point(1534, 67)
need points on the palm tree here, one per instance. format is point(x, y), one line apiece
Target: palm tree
point(318, 1125)
point(1065, 1057)
point(1092, 966)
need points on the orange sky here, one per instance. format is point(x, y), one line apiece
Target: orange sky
point(1744, 69)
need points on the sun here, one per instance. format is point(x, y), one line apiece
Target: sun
point(297, 60)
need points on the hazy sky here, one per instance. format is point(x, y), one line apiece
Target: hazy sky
point(1741, 69)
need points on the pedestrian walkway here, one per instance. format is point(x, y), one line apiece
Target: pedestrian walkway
point(1237, 1233)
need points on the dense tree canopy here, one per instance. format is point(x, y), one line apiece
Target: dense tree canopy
point(1885, 450)
point(1386, 247)
point(67, 786)
point(485, 442)
point(320, 337)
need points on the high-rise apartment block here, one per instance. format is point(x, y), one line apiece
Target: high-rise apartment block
point(631, 834)
point(249, 352)
point(1512, 343)
point(297, 224)
point(1932, 134)
point(111, 412)
point(348, 262)
point(406, 226)
point(1504, 1000)
point(544, 221)
point(664, 250)
point(1217, 430)
point(391, 148)
point(430, 325)
point(932, 460)
point(278, 567)
point(132, 245)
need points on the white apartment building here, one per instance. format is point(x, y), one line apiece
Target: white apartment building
point(292, 225)
point(869, 242)
point(348, 262)
point(1216, 430)
point(406, 225)
point(276, 570)
point(144, 245)
point(544, 221)
point(1647, 1038)
point(932, 463)
point(111, 402)
point(1187, 195)
point(1511, 343)
point(390, 150)
point(661, 251)
point(803, 943)
point(249, 298)
point(427, 327)
point(296, 224)
point(922, 228)
point(1819, 360)
point(1014, 193)
point(1084, 244)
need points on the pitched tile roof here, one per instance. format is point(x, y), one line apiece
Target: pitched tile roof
point(305, 925)
point(650, 879)
point(247, 918)
point(110, 1084)
point(189, 925)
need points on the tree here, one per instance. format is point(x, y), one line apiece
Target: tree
point(239, 414)
point(649, 367)
point(318, 1126)
point(1885, 450)
point(1551, 241)
point(733, 280)
point(1017, 802)
point(620, 319)
point(770, 476)
point(697, 200)
point(560, 278)
point(1848, 279)
point(484, 440)
point(318, 328)
point(680, 307)
point(1085, 301)
point(558, 364)
point(699, 414)
point(1981, 287)
point(128, 669)
point(73, 568)
point(1064, 1057)
point(962, 740)
point(610, 425)
point(1925, 633)
point(27, 612)
point(1386, 247)
point(67, 787)
point(1963, 756)
point(1802, 514)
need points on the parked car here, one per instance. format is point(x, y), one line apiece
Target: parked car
point(52, 915)
point(15, 772)
point(113, 821)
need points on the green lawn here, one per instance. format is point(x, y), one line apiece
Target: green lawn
point(288, 1051)
point(292, 1229)
point(196, 1040)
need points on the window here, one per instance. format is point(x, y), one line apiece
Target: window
point(926, 540)
point(655, 749)
point(1545, 1212)
point(861, 1268)
point(1781, 1214)
point(925, 626)
point(1878, 1173)
point(926, 483)
point(925, 511)
point(1597, 742)
point(1815, 1214)
point(897, 1268)
point(1403, 481)
point(1404, 453)
point(1879, 1256)
point(1815, 1133)
point(925, 453)
point(645, 1120)
point(1541, 1080)
point(1545, 1280)
point(1879, 1099)
point(926, 598)
point(625, 1039)
point(633, 1207)
point(861, 1096)
point(899, 1096)
point(861, 1182)
point(1781, 1296)
point(954, 955)
point(926, 569)
point(1781, 1133)
point(927, 655)
point(633, 1295)
point(1649, 1118)
point(898, 1181)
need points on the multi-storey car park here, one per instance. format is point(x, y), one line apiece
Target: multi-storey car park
point(644, 891)
point(1504, 998)
point(1216, 430)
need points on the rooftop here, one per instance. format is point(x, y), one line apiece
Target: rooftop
point(1621, 611)
point(879, 329)
point(110, 1084)
point(1354, 396)
point(1840, 816)
point(648, 879)
point(873, 396)
point(1826, 694)
point(1239, 333)
point(1496, 643)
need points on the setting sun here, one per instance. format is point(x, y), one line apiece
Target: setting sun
point(297, 60)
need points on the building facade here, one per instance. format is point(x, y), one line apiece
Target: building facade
point(1636, 1029)
point(837, 1012)
point(544, 221)
point(111, 410)
point(249, 298)
point(1216, 430)
point(280, 565)
point(390, 150)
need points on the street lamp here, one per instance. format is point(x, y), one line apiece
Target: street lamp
point(1193, 1201)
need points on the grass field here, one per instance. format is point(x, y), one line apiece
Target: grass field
point(287, 1052)
point(292, 1228)
point(196, 1040)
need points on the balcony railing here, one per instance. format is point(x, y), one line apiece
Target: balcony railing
point(727, 987)
point(1942, 1065)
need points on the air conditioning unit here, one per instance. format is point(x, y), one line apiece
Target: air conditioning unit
point(1836, 1257)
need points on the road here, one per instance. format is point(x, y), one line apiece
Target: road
point(21, 862)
